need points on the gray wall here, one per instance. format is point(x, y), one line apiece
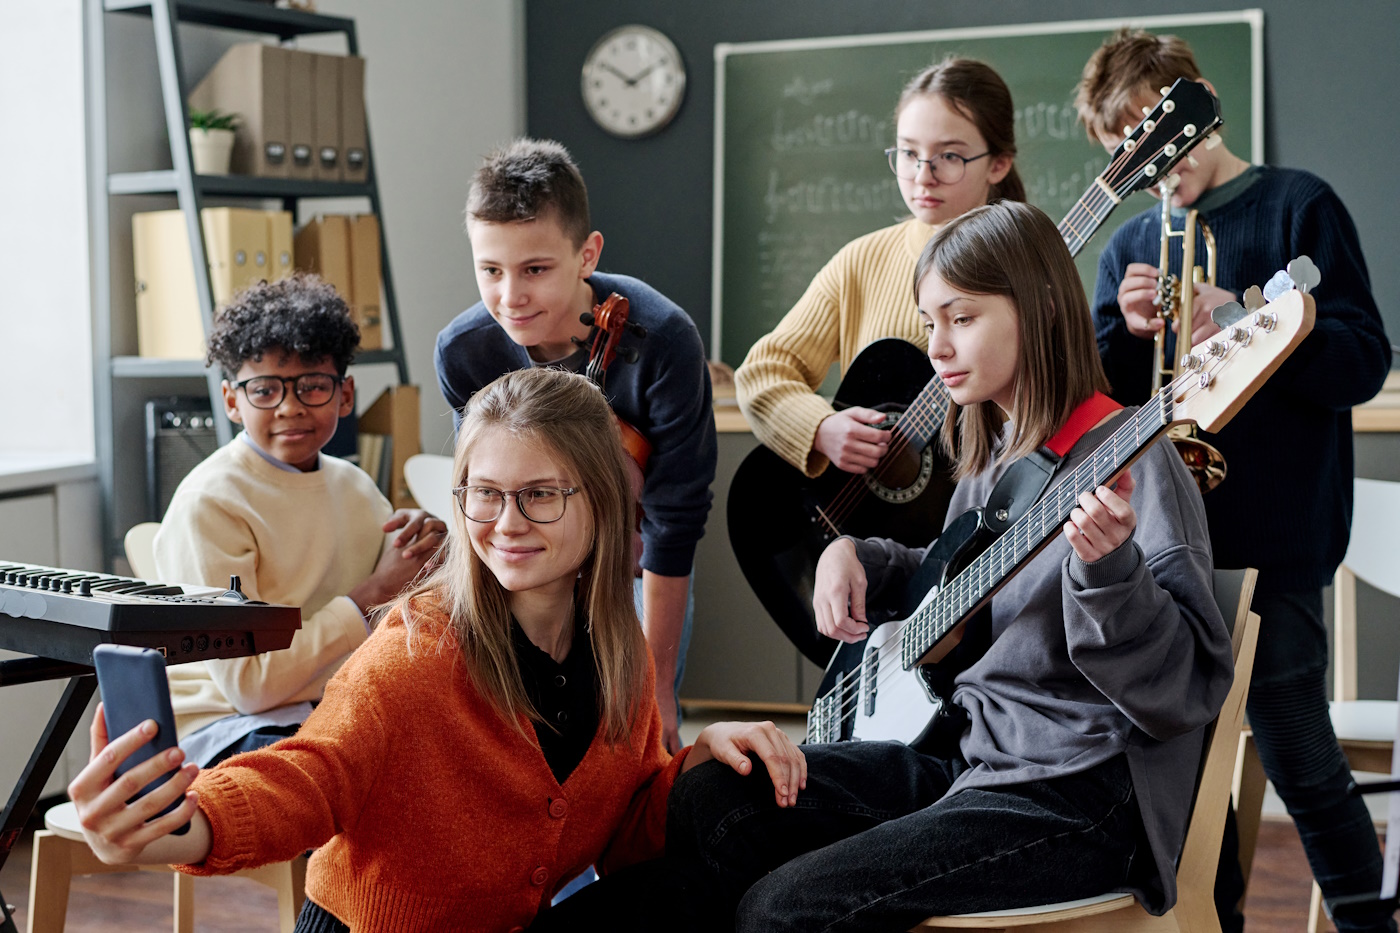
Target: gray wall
point(1327, 71)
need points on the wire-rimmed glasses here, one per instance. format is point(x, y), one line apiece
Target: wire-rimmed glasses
point(539, 504)
point(948, 168)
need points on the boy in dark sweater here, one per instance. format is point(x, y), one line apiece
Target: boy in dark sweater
point(1285, 506)
point(536, 258)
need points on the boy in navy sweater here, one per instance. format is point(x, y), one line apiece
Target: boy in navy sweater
point(1285, 505)
point(536, 258)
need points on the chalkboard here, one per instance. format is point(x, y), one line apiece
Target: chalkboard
point(801, 125)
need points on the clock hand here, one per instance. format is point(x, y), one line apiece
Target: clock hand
point(632, 81)
point(608, 67)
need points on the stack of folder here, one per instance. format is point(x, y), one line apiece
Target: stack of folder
point(245, 247)
point(301, 114)
point(344, 250)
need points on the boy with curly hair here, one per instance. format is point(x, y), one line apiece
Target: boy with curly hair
point(296, 526)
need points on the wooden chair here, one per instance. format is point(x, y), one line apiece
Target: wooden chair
point(140, 547)
point(429, 478)
point(60, 853)
point(1365, 728)
point(1195, 874)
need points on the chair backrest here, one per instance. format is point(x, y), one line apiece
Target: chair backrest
point(140, 547)
point(1200, 853)
point(1374, 556)
point(429, 478)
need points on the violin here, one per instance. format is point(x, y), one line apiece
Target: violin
point(610, 322)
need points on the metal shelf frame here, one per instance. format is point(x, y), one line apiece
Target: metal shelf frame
point(191, 190)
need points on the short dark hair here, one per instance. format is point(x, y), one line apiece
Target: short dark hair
point(527, 179)
point(300, 314)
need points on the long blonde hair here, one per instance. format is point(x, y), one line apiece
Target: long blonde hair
point(566, 414)
point(1013, 249)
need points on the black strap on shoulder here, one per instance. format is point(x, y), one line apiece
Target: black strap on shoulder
point(1018, 489)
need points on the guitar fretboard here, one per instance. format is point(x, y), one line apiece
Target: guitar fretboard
point(981, 578)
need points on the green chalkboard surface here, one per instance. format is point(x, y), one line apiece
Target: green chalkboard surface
point(801, 127)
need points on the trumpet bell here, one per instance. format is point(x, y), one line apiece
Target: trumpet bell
point(1205, 463)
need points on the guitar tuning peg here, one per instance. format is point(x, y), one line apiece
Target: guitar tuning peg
point(636, 330)
point(1231, 312)
point(1146, 110)
point(1212, 141)
point(1278, 284)
point(628, 354)
point(1164, 90)
point(1127, 131)
point(1254, 298)
point(1192, 160)
point(586, 318)
point(1304, 273)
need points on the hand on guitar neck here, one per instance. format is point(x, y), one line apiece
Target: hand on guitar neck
point(848, 440)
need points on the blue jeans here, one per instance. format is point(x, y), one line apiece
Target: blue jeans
point(874, 844)
point(1293, 731)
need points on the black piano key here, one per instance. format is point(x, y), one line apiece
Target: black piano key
point(156, 589)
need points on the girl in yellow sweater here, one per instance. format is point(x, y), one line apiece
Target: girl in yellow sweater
point(497, 734)
point(954, 149)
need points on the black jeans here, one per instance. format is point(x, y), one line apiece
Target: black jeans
point(873, 844)
point(1293, 731)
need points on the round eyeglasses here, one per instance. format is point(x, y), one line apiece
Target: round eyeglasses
point(311, 389)
point(539, 504)
point(948, 168)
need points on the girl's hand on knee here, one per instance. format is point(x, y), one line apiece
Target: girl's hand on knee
point(118, 831)
point(1103, 521)
point(732, 742)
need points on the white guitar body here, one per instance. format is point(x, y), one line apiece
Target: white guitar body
point(893, 704)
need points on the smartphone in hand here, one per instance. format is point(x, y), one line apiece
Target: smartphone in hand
point(134, 689)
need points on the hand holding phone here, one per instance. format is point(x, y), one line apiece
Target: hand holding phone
point(134, 690)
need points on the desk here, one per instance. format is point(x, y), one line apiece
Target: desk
point(1382, 413)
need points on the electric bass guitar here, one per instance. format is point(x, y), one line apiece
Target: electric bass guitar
point(896, 683)
point(780, 521)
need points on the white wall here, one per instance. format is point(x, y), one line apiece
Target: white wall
point(45, 334)
point(444, 84)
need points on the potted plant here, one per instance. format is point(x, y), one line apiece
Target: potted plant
point(211, 140)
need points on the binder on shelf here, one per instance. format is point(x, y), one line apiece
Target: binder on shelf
point(301, 106)
point(344, 251)
point(354, 140)
point(243, 249)
point(395, 415)
point(365, 280)
point(326, 119)
point(250, 80)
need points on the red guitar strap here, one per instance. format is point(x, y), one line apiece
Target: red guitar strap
point(1024, 481)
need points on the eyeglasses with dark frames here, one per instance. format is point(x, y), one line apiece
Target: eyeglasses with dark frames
point(948, 168)
point(539, 504)
point(311, 389)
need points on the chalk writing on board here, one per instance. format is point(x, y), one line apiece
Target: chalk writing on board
point(1056, 121)
point(804, 91)
point(1055, 191)
point(849, 129)
point(830, 195)
point(787, 262)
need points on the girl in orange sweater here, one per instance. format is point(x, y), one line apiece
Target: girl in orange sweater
point(498, 732)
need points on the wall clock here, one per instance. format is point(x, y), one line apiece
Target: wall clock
point(633, 81)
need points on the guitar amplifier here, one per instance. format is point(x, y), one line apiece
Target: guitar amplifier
point(179, 434)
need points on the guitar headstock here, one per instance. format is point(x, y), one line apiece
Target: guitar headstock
point(1226, 370)
point(1187, 113)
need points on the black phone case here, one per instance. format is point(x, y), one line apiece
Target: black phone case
point(134, 689)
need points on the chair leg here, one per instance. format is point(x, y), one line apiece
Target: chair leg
point(51, 875)
point(184, 903)
point(291, 891)
point(1249, 801)
point(1317, 916)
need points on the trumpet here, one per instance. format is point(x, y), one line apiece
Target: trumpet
point(1175, 299)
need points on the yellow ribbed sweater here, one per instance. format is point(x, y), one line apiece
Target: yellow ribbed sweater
point(298, 539)
point(864, 293)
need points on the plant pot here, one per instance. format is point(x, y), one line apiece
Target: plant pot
point(211, 150)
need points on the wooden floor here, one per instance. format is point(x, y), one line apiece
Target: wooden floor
point(1278, 899)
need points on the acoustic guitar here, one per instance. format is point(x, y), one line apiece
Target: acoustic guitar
point(780, 521)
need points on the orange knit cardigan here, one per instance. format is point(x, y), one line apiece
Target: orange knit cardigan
point(429, 811)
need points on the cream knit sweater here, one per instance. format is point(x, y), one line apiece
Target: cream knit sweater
point(864, 293)
point(299, 539)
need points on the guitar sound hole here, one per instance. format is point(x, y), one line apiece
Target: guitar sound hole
point(901, 477)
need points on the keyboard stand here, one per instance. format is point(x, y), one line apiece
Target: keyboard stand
point(71, 706)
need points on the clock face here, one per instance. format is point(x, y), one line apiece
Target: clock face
point(633, 81)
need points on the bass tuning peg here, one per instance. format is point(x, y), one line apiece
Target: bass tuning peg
point(586, 318)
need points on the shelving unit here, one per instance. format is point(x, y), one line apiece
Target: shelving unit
point(118, 376)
